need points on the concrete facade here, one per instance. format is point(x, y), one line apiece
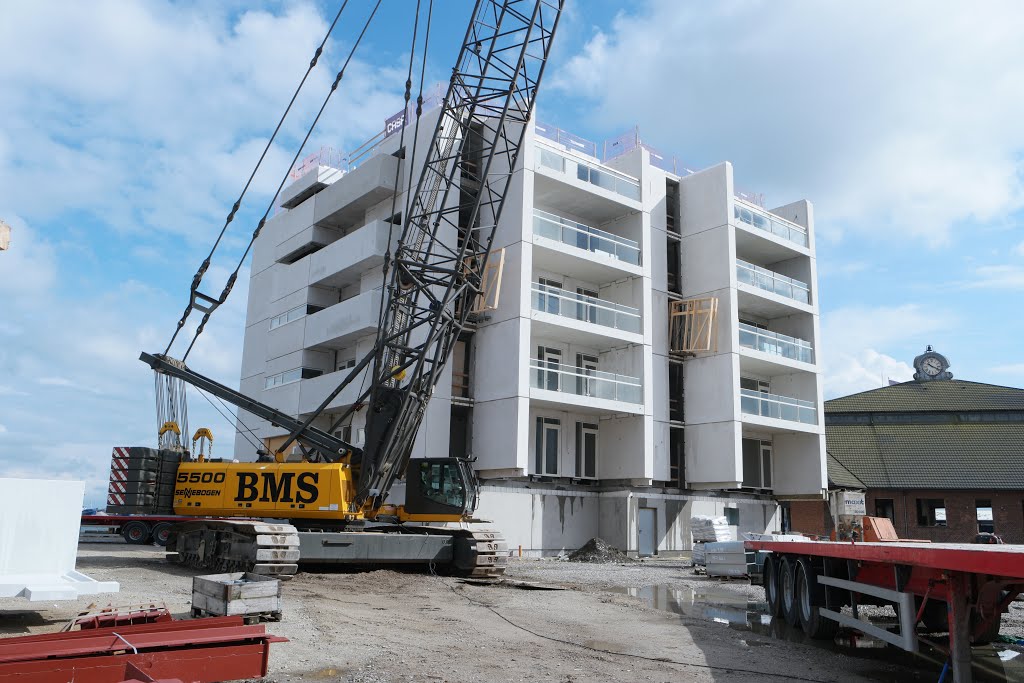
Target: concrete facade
point(582, 419)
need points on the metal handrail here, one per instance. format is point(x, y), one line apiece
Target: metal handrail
point(585, 308)
point(753, 402)
point(588, 238)
point(585, 382)
point(762, 220)
point(770, 281)
point(752, 337)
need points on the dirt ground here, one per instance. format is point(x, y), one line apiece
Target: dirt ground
point(637, 622)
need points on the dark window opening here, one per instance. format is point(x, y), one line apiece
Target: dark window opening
point(676, 458)
point(676, 398)
point(674, 266)
point(757, 464)
point(732, 516)
point(546, 456)
point(884, 507)
point(931, 512)
point(586, 450)
point(672, 206)
point(459, 434)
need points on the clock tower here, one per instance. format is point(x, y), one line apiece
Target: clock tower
point(930, 366)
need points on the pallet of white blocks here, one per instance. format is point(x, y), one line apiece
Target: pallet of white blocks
point(39, 523)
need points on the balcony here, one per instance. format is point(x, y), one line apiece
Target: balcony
point(775, 344)
point(769, 281)
point(588, 172)
point(753, 402)
point(584, 382)
point(587, 309)
point(343, 262)
point(759, 219)
point(604, 245)
point(337, 326)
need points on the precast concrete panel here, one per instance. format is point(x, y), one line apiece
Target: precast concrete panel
point(39, 524)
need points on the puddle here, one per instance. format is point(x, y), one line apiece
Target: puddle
point(991, 664)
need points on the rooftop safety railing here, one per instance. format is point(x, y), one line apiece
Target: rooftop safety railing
point(762, 220)
point(762, 278)
point(585, 382)
point(557, 301)
point(778, 344)
point(589, 172)
point(753, 402)
point(553, 226)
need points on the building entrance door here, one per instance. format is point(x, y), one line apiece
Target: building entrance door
point(647, 529)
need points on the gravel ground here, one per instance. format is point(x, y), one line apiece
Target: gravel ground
point(651, 621)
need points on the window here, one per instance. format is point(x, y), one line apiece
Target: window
point(884, 508)
point(586, 450)
point(753, 384)
point(757, 464)
point(346, 363)
point(585, 311)
point(548, 431)
point(550, 359)
point(548, 297)
point(732, 516)
point(287, 317)
point(931, 512)
point(587, 365)
point(289, 376)
point(672, 205)
point(983, 512)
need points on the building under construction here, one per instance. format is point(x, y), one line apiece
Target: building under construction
point(646, 350)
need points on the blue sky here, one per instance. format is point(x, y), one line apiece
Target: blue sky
point(127, 130)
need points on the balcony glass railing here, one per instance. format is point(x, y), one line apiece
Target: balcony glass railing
point(755, 217)
point(772, 342)
point(585, 237)
point(753, 402)
point(585, 382)
point(558, 301)
point(588, 172)
point(762, 278)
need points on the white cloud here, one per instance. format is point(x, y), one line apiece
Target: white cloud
point(851, 339)
point(1009, 369)
point(3, 429)
point(895, 118)
point(998, 277)
point(1019, 249)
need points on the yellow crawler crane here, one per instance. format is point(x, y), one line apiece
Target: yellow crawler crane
point(332, 507)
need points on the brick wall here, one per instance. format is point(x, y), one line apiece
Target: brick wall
point(961, 518)
point(810, 517)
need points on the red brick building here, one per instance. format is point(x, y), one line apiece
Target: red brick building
point(942, 458)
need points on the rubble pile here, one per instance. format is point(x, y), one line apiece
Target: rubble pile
point(599, 552)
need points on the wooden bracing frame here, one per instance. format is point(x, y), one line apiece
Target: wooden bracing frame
point(693, 325)
point(490, 284)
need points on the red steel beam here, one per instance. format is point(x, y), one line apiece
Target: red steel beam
point(189, 651)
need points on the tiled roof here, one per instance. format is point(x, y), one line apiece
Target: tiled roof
point(938, 395)
point(966, 455)
point(839, 475)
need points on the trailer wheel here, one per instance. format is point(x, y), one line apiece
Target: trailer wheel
point(991, 631)
point(787, 589)
point(810, 595)
point(161, 533)
point(771, 586)
point(934, 617)
point(136, 532)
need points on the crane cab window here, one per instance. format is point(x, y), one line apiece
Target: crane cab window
point(441, 483)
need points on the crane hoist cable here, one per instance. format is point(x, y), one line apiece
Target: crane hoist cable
point(354, 406)
point(205, 303)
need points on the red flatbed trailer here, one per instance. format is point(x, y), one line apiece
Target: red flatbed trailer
point(959, 588)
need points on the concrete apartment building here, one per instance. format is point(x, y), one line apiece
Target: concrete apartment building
point(650, 354)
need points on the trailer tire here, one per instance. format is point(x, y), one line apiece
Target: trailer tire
point(787, 590)
point(772, 589)
point(136, 532)
point(991, 631)
point(162, 533)
point(934, 618)
point(810, 595)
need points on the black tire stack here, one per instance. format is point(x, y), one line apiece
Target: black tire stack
point(142, 481)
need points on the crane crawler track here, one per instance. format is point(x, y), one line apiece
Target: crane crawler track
point(235, 546)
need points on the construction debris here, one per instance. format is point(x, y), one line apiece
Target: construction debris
point(598, 551)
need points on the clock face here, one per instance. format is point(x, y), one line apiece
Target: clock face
point(931, 366)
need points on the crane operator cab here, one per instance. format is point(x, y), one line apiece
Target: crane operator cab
point(441, 486)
